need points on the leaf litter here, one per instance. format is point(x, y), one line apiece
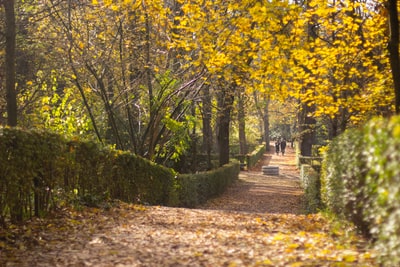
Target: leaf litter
point(258, 221)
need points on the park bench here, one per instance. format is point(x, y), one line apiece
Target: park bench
point(270, 170)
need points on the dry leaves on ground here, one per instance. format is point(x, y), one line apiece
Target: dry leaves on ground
point(257, 222)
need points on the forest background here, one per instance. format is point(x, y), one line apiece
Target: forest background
point(170, 79)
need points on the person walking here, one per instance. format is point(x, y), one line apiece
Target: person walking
point(283, 146)
point(277, 145)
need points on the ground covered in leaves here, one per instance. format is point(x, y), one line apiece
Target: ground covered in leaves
point(257, 222)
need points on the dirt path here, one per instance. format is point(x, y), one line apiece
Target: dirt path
point(255, 192)
point(257, 222)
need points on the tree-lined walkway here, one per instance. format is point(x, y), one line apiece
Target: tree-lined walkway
point(257, 222)
point(255, 192)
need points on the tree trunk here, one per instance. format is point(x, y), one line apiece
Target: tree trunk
point(107, 94)
point(263, 114)
point(307, 131)
point(154, 118)
point(68, 30)
point(306, 122)
point(207, 129)
point(10, 32)
point(242, 123)
point(225, 101)
point(266, 123)
point(394, 50)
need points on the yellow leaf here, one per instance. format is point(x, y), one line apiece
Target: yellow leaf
point(81, 45)
point(396, 131)
point(279, 237)
point(114, 7)
point(350, 257)
point(293, 246)
point(265, 262)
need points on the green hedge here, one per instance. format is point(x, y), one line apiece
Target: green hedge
point(361, 181)
point(255, 156)
point(39, 170)
point(195, 189)
point(310, 181)
point(28, 172)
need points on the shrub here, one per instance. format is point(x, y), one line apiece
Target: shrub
point(310, 181)
point(361, 181)
point(255, 156)
point(343, 178)
point(382, 210)
point(39, 170)
point(195, 189)
point(28, 172)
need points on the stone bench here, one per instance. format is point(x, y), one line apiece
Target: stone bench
point(270, 170)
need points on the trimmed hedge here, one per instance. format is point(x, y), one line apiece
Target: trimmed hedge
point(255, 156)
point(31, 164)
point(195, 189)
point(361, 181)
point(310, 181)
point(39, 169)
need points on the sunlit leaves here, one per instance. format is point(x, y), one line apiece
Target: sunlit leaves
point(330, 54)
point(340, 63)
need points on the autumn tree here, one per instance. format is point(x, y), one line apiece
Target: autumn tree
point(10, 44)
point(135, 71)
point(330, 55)
point(394, 49)
point(344, 66)
point(123, 70)
point(218, 34)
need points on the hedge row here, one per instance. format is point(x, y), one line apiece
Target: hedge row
point(39, 169)
point(361, 181)
point(195, 189)
point(310, 182)
point(255, 156)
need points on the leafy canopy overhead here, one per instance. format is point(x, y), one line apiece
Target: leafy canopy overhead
point(331, 54)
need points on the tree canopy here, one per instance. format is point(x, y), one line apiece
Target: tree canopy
point(140, 75)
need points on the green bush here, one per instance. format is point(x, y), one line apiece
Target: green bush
point(382, 210)
point(361, 181)
point(28, 172)
point(310, 181)
point(195, 189)
point(40, 170)
point(343, 178)
point(255, 156)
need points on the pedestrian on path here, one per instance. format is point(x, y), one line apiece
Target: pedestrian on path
point(277, 145)
point(283, 146)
